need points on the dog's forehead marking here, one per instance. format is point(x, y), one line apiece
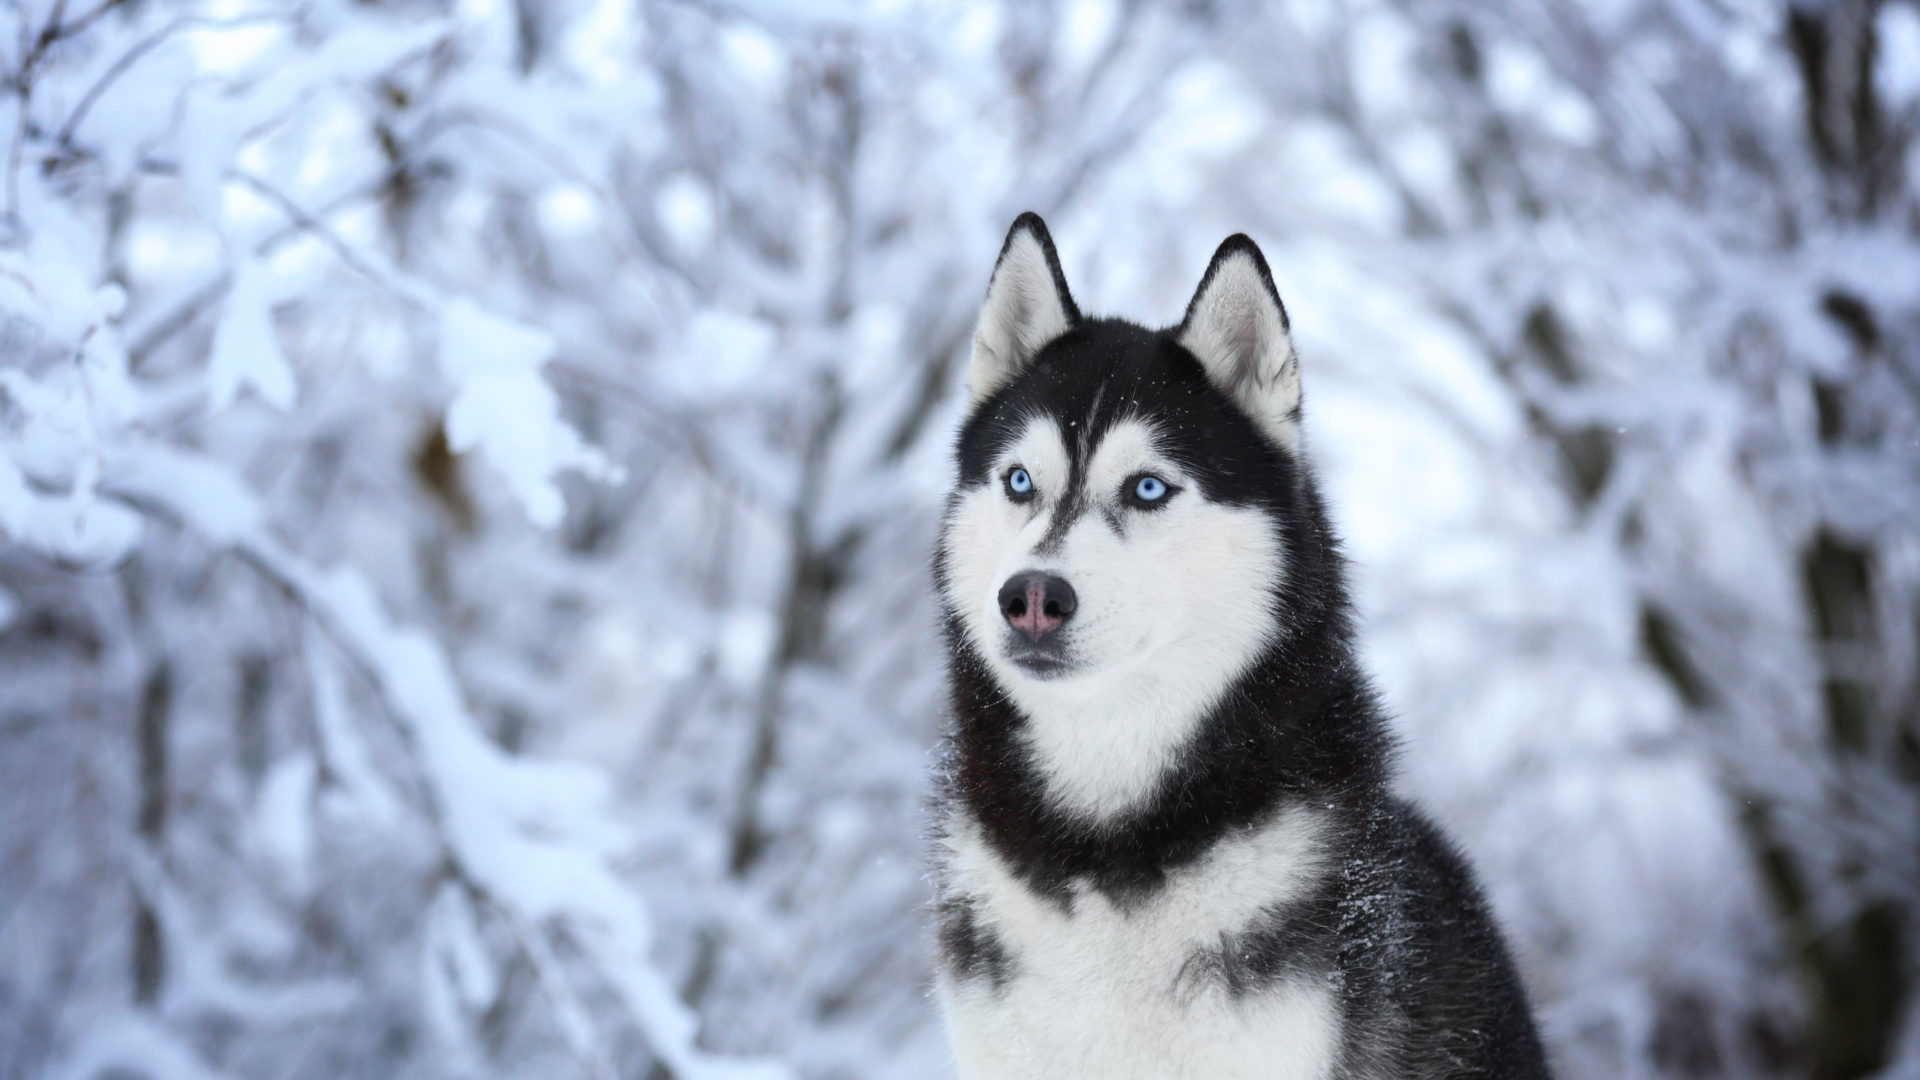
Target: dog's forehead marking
point(1069, 504)
point(1128, 445)
point(1086, 425)
point(1092, 455)
point(1040, 448)
point(1080, 464)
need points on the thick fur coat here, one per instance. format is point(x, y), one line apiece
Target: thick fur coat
point(1166, 842)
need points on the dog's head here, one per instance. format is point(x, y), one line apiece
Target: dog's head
point(1116, 547)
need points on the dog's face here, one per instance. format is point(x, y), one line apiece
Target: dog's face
point(1113, 551)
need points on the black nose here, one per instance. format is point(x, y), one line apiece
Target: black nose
point(1037, 604)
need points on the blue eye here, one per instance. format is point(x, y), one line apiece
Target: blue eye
point(1150, 489)
point(1019, 482)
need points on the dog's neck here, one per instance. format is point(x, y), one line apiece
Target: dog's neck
point(1300, 724)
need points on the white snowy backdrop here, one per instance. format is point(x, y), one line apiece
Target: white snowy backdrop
point(467, 471)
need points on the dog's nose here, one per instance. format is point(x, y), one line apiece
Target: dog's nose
point(1037, 604)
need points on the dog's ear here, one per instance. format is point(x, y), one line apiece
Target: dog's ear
point(1027, 307)
point(1237, 327)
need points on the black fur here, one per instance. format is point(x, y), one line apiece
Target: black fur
point(969, 949)
point(1399, 924)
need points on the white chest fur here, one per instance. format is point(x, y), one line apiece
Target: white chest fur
point(1104, 991)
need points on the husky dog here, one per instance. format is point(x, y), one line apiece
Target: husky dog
point(1166, 841)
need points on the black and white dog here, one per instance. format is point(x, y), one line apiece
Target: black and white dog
point(1166, 842)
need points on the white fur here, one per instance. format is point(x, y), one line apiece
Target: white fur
point(1024, 311)
point(1101, 991)
point(1239, 334)
point(1171, 610)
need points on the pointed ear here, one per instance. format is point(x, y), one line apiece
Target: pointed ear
point(1027, 307)
point(1237, 327)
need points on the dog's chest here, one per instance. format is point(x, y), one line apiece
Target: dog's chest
point(1102, 990)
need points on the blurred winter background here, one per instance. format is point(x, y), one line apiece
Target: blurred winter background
point(467, 471)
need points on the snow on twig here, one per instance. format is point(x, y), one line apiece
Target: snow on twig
point(528, 836)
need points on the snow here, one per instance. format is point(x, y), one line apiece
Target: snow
point(246, 352)
point(1897, 70)
point(1208, 115)
point(1334, 180)
point(286, 814)
point(330, 333)
point(1519, 80)
point(1086, 26)
point(505, 410)
point(600, 44)
point(723, 353)
point(569, 209)
point(755, 57)
point(686, 211)
point(1384, 57)
point(72, 526)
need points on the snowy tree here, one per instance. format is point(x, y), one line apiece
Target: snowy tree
point(467, 471)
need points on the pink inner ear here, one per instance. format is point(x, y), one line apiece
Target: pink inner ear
point(1238, 330)
point(1027, 306)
